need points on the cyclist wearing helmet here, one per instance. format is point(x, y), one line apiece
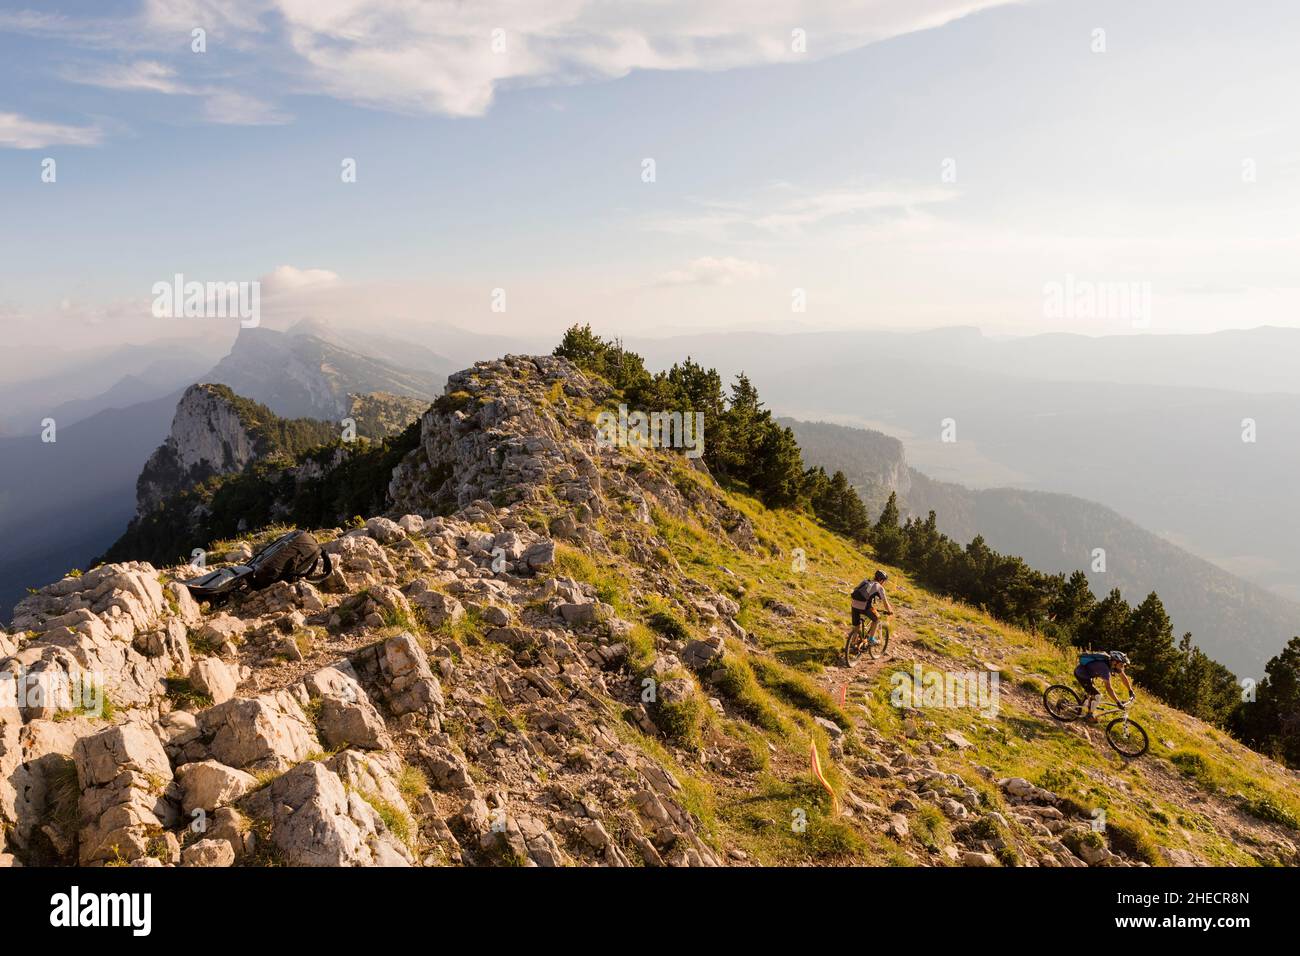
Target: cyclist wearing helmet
point(863, 599)
point(1095, 664)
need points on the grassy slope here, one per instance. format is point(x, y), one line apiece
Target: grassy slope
point(1179, 797)
point(1175, 797)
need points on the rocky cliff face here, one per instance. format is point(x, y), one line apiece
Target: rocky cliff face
point(208, 437)
point(543, 654)
point(874, 463)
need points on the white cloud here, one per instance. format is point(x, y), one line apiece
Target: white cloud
point(290, 279)
point(787, 213)
point(224, 106)
point(438, 56)
point(142, 75)
point(19, 132)
point(235, 109)
point(709, 270)
point(449, 57)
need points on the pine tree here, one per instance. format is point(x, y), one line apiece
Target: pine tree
point(889, 514)
point(778, 471)
point(743, 426)
point(1271, 723)
point(851, 513)
point(1149, 640)
point(1072, 605)
point(1205, 688)
point(1107, 626)
point(886, 536)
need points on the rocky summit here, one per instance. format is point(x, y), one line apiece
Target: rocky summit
point(552, 651)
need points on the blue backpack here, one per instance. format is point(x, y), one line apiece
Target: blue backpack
point(1092, 658)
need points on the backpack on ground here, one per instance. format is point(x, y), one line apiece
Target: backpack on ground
point(294, 556)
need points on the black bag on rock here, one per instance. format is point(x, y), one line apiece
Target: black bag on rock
point(294, 556)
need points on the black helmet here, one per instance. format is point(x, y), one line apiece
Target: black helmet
point(1119, 657)
point(882, 576)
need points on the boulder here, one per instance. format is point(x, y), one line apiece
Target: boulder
point(207, 785)
point(345, 715)
point(258, 733)
point(315, 821)
point(411, 524)
point(124, 777)
point(833, 730)
point(360, 555)
point(385, 530)
point(129, 748)
point(448, 770)
point(222, 633)
point(208, 853)
point(698, 655)
point(540, 555)
point(399, 670)
point(1021, 789)
point(214, 677)
point(578, 614)
point(437, 609)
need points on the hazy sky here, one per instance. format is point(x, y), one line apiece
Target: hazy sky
point(921, 163)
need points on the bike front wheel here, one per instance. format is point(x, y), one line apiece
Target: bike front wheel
point(1063, 703)
point(1127, 737)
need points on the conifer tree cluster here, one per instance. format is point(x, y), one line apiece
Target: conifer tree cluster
point(746, 446)
point(743, 443)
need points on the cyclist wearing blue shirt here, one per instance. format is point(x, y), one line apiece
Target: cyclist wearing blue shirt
point(1101, 664)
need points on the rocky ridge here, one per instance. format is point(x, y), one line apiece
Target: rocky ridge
point(469, 686)
point(205, 702)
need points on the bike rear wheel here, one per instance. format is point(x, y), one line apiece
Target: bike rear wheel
point(1063, 703)
point(1127, 737)
point(852, 648)
point(878, 649)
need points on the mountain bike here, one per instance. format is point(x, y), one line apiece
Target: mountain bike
point(1123, 733)
point(857, 642)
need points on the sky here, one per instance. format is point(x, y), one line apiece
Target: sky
point(816, 165)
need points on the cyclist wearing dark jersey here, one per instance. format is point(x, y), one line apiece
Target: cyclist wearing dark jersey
point(1101, 664)
point(862, 602)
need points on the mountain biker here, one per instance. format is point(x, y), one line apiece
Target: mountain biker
point(862, 601)
point(1101, 664)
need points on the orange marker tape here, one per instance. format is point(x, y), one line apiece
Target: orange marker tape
point(817, 772)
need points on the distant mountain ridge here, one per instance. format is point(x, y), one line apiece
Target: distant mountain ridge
point(1258, 360)
point(63, 502)
point(1148, 424)
point(66, 502)
point(303, 375)
point(1232, 620)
